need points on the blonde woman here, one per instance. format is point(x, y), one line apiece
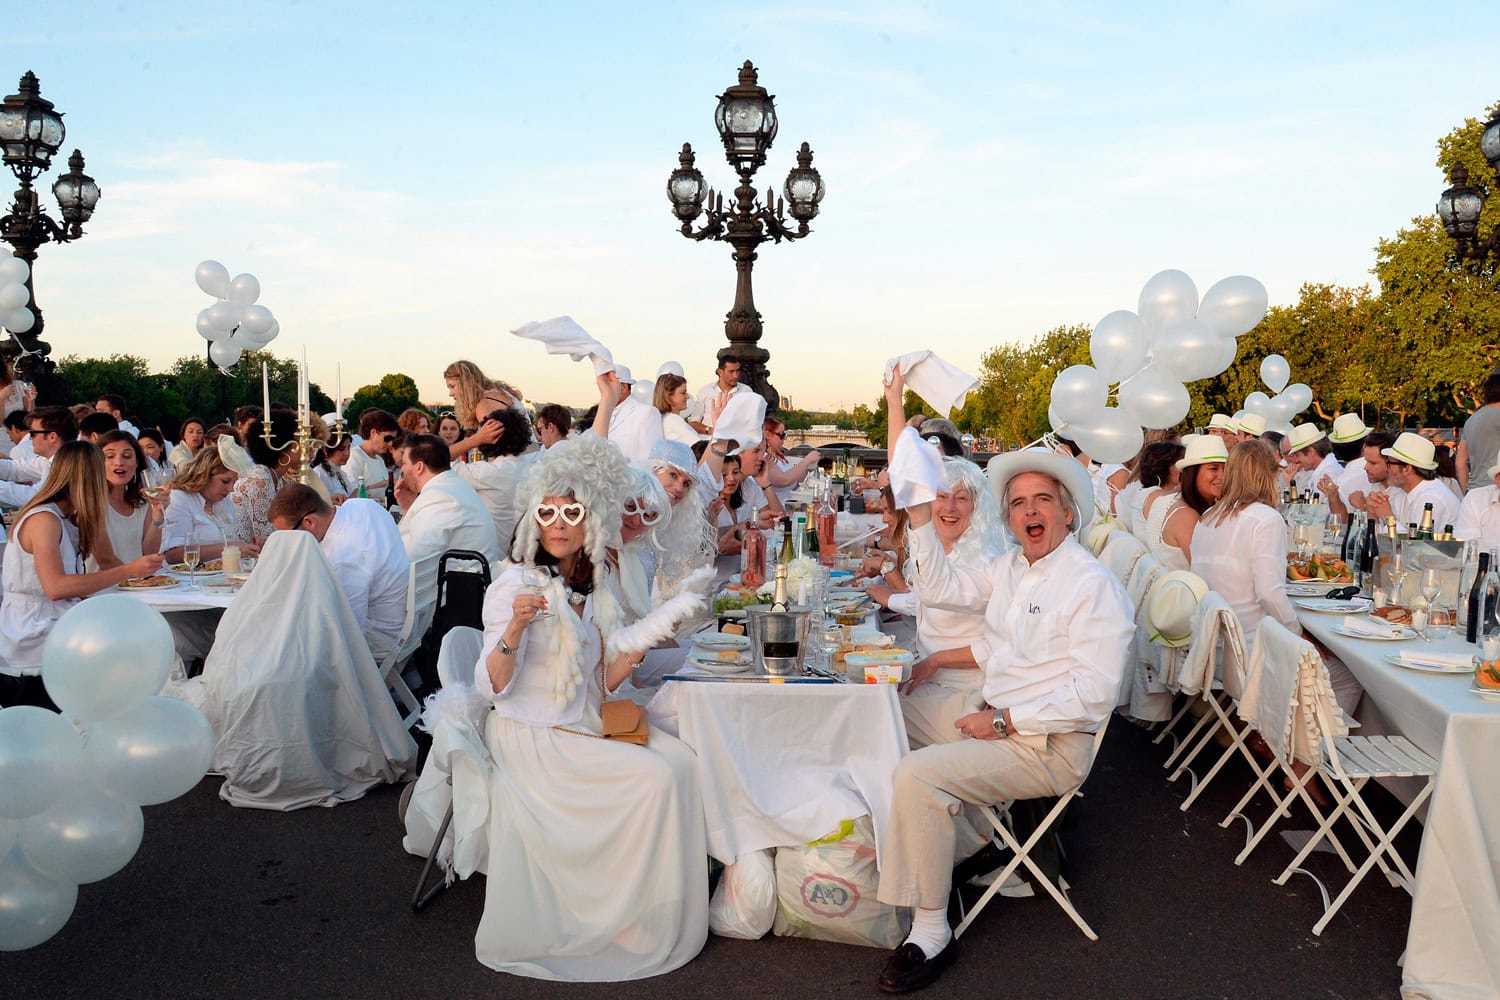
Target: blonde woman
point(470, 388)
point(54, 533)
point(671, 398)
point(199, 509)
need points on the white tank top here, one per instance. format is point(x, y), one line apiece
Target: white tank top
point(27, 614)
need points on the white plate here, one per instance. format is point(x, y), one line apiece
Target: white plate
point(223, 588)
point(1429, 668)
point(721, 640)
point(1305, 589)
point(715, 667)
point(1488, 694)
point(1327, 606)
point(1406, 634)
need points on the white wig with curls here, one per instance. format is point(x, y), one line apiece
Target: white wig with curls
point(685, 538)
point(986, 531)
point(640, 556)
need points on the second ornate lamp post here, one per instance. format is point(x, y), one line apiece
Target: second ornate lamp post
point(1461, 205)
point(31, 133)
point(746, 120)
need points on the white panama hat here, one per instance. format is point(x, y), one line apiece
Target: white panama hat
point(1413, 449)
point(1201, 450)
point(1171, 606)
point(1303, 435)
point(1253, 424)
point(1223, 422)
point(1347, 427)
point(1066, 470)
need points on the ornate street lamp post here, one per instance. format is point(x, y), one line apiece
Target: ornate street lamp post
point(31, 133)
point(746, 120)
point(1461, 205)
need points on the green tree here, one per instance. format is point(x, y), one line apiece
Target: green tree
point(393, 393)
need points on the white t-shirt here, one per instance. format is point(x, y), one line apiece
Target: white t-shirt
point(371, 467)
point(1428, 491)
point(1244, 559)
point(363, 545)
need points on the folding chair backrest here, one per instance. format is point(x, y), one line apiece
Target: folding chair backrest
point(1288, 697)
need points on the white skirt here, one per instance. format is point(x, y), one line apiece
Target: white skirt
point(598, 867)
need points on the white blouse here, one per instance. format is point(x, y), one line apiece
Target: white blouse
point(1243, 558)
point(186, 515)
point(27, 614)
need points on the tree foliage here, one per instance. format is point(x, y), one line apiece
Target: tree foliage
point(393, 393)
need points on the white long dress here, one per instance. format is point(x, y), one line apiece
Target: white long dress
point(27, 614)
point(596, 867)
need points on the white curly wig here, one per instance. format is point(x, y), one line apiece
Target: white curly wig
point(986, 531)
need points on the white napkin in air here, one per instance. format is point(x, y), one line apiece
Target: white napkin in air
point(943, 386)
point(916, 470)
point(743, 420)
point(563, 336)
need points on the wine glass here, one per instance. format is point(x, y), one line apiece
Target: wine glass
point(154, 479)
point(1398, 572)
point(538, 581)
point(1432, 586)
point(191, 554)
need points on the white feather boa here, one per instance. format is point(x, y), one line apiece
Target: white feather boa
point(663, 621)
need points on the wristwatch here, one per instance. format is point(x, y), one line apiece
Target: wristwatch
point(1001, 729)
point(503, 648)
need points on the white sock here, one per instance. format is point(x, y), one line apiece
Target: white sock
point(929, 930)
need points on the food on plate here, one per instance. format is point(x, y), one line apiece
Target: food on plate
point(147, 582)
point(1393, 613)
point(873, 645)
point(721, 655)
point(1318, 567)
point(1487, 675)
point(211, 566)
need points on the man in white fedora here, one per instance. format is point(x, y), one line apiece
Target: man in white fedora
point(634, 424)
point(1356, 484)
point(1310, 453)
point(1479, 513)
point(1171, 606)
point(1413, 469)
point(1252, 426)
point(1057, 626)
point(1222, 425)
point(1347, 436)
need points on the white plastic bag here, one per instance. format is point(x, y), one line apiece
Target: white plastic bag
point(826, 891)
point(744, 903)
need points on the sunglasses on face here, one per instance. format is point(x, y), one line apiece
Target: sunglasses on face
point(387, 438)
point(635, 507)
point(36, 433)
point(572, 514)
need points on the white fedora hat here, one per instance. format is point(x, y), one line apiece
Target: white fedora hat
point(1347, 427)
point(622, 372)
point(1068, 471)
point(1201, 450)
point(1098, 535)
point(1493, 470)
point(1303, 435)
point(1223, 422)
point(1413, 449)
point(671, 368)
point(1171, 606)
point(1253, 424)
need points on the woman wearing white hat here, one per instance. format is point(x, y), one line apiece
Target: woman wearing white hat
point(1412, 468)
point(1171, 519)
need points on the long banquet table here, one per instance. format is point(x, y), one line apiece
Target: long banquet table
point(1451, 947)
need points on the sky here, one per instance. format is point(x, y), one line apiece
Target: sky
point(411, 182)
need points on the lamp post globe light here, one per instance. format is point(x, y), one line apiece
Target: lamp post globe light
point(1460, 207)
point(746, 120)
point(31, 133)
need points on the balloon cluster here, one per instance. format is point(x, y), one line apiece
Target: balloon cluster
point(1288, 401)
point(72, 785)
point(15, 296)
point(234, 323)
point(1172, 338)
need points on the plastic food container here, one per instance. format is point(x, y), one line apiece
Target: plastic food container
point(890, 666)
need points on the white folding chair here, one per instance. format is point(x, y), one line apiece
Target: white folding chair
point(394, 660)
point(999, 817)
point(1221, 700)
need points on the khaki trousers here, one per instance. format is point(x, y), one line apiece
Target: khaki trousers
point(932, 786)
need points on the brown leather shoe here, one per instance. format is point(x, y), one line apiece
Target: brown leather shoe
point(909, 969)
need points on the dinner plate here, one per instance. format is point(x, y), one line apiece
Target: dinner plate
point(1430, 668)
point(721, 640)
point(1488, 694)
point(223, 588)
point(1327, 606)
point(1312, 589)
point(716, 667)
point(137, 588)
point(1406, 633)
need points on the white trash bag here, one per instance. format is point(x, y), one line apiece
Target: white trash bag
point(744, 903)
point(826, 891)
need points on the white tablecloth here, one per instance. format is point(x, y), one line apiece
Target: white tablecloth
point(1455, 919)
point(180, 598)
point(783, 764)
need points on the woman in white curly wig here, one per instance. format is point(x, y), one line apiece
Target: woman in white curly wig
point(567, 806)
point(951, 643)
point(687, 540)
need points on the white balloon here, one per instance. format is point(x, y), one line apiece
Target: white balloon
point(258, 319)
point(85, 836)
point(212, 278)
point(1299, 396)
point(13, 295)
point(1229, 349)
point(1078, 391)
point(1154, 398)
point(205, 326)
point(14, 269)
point(1280, 410)
point(40, 751)
point(33, 907)
point(105, 656)
point(1054, 421)
point(1118, 345)
point(270, 334)
point(1188, 349)
point(1169, 297)
point(1234, 305)
point(1112, 436)
point(20, 320)
point(1275, 372)
point(224, 353)
point(226, 315)
point(251, 341)
point(244, 289)
point(153, 753)
point(1258, 403)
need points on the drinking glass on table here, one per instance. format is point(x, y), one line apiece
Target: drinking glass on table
point(1398, 571)
point(538, 581)
point(191, 554)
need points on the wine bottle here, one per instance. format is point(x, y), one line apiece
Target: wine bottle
point(1424, 530)
point(1369, 555)
point(753, 551)
point(361, 491)
point(788, 546)
point(1488, 625)
point(779, 600)
point(1474, 628)
point(828, 522)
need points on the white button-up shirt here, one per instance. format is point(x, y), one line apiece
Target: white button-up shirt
point(186, 518)
point(1057, 630)
point(1479, 517)
point(1428, 491)
point(363, 545)
point(1243, 558)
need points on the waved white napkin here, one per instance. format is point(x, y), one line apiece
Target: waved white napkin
point(916, 470)
point(563, 336)
point(943, 386)
point(1437, 658)
point(1358, 625)
point(743, 420)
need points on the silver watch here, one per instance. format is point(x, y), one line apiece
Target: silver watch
point(1001, 729)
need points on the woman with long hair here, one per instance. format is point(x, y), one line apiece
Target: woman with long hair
point(562, 901)
point(1169, 529)
point(725, 507)
point(1156, 480)
point(133, 520)
point(253, 492)
point(189, 440)
point(780, 473)
point(44, 575)
point(671, 398)
point(469, 387)
point(198, 509)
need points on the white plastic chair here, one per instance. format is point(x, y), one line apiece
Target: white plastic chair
point(999, 817)
point(394, 660)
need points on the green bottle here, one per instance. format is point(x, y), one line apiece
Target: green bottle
point(361, 492)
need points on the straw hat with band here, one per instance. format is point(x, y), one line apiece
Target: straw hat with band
point(1347, 427)
point(1223, 422)
point(1066, 470)
point(1414, 450)
point(1171, 606)
point(1201, 450)
point(1303, 435)
point(1253, 424)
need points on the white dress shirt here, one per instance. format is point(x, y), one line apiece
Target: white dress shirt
point(448, 514)
point(634, 427)
point(1479, 517)
point(1243, 558)
point(941, 628)
point(1057, 630)
point(30, 468)
point(713, 400)
point(1354, 480)
point(186, 515)
point(363, 545)
point(372, 467)
point(496, 481)
point(1330, 467)
point(1428, 491)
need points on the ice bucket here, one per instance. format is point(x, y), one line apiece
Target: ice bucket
point(778, 639)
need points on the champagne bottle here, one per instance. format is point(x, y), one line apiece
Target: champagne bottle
point(1474, 627)
point(1424, 530)
point(1447, 532)
point(779, 600)
point(788, 546)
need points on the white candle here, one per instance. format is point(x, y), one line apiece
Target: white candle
point(265, 391)
point(302, 397)
point(338, 392)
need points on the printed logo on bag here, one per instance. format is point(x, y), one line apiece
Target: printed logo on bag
point(829, 896)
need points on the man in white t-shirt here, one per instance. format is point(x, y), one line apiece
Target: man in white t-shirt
point(377, 429)
point(363, 545)
point(717, 394)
